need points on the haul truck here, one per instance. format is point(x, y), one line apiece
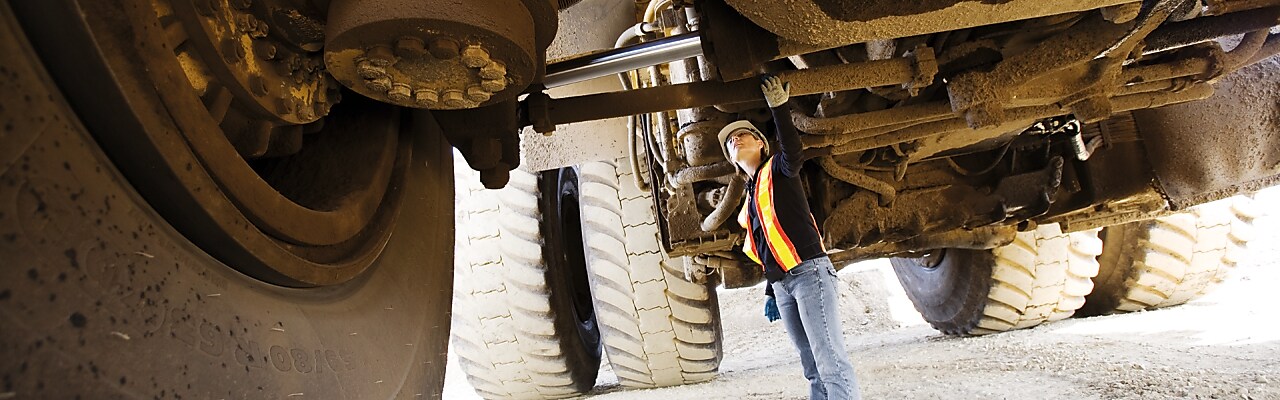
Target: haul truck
point(253, 198)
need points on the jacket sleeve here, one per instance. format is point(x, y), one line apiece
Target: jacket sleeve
point(790, 148)
point(768, 289)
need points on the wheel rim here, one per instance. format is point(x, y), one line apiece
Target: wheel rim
point(237, 178)
point(567, 252)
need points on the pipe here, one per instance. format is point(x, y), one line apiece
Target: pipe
point(1119, 104)
point(623, 59)
point(709, 93)
point(693, 175)
point(886, 191)
point(1219, 7)
point(732, 196)
point(851, 123)
point(1198, 30)
point(1239, 57)
point(1270, 48)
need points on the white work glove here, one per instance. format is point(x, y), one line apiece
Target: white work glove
point(775, 91)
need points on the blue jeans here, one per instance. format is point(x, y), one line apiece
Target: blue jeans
point(807, 299)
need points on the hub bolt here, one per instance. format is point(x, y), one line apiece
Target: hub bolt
point(380, 84)
point(453, 98)
point(399, 93)
point(495, 70)
point(426, 97)
point(475, 56)
point(494, 85)
point(443, 48)
point(410, 46)
point(381, 55)
point(368, 70)
point(478, 94)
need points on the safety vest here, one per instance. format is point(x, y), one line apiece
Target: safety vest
point(779, 245)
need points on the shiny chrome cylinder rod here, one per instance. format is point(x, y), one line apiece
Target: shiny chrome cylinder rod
point(628, 58)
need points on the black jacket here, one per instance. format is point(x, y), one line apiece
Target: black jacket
point(791, 206)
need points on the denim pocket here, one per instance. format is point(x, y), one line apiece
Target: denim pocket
point(830, 269)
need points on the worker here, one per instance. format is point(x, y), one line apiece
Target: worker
point(783, 238)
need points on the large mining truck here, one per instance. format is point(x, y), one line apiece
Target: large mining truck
point(254, 198)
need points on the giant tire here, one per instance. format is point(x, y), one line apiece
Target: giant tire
point(523, 326)
point(658, 328)
point(101, 297)
point(1042, 276)
point(1170, 260)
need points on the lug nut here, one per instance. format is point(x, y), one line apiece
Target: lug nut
point(443, 48)
point(380, 84)
point(494, 85)
point(477, 94)
point(399, 93)
point(410, 46)
point(453, 98)
point(495, 70)
point(231, 51)
point(426, 97)
point(368, 70)
point(258, 85)
point(287, 104)
point(266, 50)
point(381, 55)
point(475, 56)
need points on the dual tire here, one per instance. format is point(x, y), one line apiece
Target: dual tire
point(1045, 275)
point(564, 266)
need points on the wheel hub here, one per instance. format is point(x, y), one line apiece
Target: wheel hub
point(434, 54)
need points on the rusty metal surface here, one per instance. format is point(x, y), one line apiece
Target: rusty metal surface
point(434, 54)
point(307, 220)
point(824, 24)
point(897, 71)
point(1199, 30)
point(1243, 120)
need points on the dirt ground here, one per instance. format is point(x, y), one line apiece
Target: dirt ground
point(1225, 345)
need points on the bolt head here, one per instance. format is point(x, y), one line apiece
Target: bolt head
point(410, 46)
point(367, 70)
point(287, 104)
point(265, 50)
point(257, 85)
point(475, 56)
point(495, 70)
point(426, 97)
point(443, 48)
point(399, 92)
point(380, 55)
point(380, 84)
point(494, 85)
point(478, 94)
point(231, 50)
point(454, 98)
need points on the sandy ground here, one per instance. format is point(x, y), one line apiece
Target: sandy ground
point(1225, 345)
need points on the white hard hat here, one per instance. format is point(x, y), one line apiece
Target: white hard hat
point(736, 126)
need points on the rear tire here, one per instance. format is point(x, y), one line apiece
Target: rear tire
point(1042, 276)
point(659, 328)
point(1170, 260)
point(516, 323)
point(100, 297)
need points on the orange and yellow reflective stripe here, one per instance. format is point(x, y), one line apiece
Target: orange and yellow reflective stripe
point(779, 244)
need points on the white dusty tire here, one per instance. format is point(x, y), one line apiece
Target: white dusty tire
point(658, 328)
point(1042, 276)
point(1170, 260)
point(515, 326)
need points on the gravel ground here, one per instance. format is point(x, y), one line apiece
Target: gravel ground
point(1225, 345)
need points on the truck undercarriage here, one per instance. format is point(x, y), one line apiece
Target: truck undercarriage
point(259, 191)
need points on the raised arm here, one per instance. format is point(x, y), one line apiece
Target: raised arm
point(776, 93)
